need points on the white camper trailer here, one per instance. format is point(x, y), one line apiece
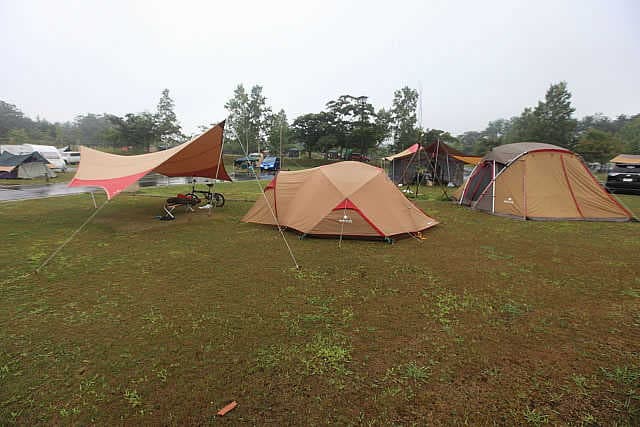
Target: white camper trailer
point(52, 155)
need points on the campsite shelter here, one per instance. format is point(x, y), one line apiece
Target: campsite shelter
point(26, 166)
point(626, 159)
point(531, 180)
point(349, 198)
point(202, 157)
point(441, 163)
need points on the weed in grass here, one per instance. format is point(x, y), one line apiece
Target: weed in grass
point(581, 383)
point(162, 374)
point(153, 317)
point(491, 372)
point(447, 304)
point(491, 253)
point(533, 416)
point(511, 309)
point(324, 355)
point(588, 420)
point(415, 372)
point(634, 293)
point(623, 375)
point(133, 398)
point(269, 357)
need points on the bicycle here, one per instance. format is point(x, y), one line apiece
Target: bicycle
point(209, 196)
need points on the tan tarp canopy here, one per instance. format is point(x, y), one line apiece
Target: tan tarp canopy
point(539, 181)
point(202, 157)
point(470, 160)
point(407, 152)
point(627, 159)
point(344, 198)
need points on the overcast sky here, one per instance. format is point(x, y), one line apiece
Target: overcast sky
point(475, 61)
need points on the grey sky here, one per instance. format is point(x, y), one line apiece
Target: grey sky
point(475, 61)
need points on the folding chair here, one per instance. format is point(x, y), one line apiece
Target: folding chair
point(186, 200)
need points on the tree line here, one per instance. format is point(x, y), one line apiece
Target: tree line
point(348, 123)
point(134, 131)
point(596, 137)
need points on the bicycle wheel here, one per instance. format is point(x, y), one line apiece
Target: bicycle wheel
point(219, 200)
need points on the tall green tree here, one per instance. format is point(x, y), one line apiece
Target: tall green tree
point(598, 146)
point(354, 123)
point(18, 137)
point(630, 136)
point(556, 124)
point(249, 117)
point(167, 127)
point(279, 132)
point(308, 129)
point(403, 111)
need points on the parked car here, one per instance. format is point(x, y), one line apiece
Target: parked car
point(271, 163)
point(243, 162)
point(71, 157)
point(358, 157)
point(624, 178)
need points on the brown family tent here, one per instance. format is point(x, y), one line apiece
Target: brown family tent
point(342, 199)
point(202, 157)
point(538, 181)
point(442, 164)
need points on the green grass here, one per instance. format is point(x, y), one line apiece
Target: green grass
point(141, 321)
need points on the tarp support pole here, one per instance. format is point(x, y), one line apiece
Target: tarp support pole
point(95, 205)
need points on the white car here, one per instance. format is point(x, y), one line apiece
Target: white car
point(71, 157)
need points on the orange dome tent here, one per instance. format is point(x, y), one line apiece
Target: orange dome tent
point(350, 199)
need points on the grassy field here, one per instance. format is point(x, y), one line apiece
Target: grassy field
point(487, 321)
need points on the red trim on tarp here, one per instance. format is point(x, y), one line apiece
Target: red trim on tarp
point(111, 186)
point(348, 204)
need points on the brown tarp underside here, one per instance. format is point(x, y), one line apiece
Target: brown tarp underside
point(305, 201)
point(199, 157)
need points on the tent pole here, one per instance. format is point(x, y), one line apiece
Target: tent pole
point(524, 189)
point(493, 192)
point(95, 205)
point(418, 171)
point(281, 158)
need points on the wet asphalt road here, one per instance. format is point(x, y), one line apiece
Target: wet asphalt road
point(10, 193)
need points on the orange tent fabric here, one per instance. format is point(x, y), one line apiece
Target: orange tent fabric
point(344, 198)
point(538, 181)
point(199, 157)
